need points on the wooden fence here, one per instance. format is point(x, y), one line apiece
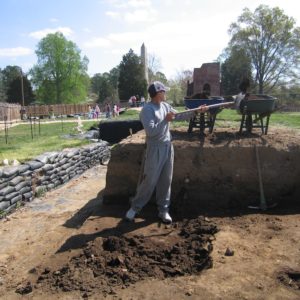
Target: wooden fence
point(10, 111)
point(56, 109)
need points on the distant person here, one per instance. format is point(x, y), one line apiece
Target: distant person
point(243, 95)
point(142, 101)
point(133, 101)
point(115, 110)
point(107, 111)
point(23, 113)
point(94, 113)
point(130, 102)
point(90, 113)
point(97, 111)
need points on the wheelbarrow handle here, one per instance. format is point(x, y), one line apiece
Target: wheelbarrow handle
point(207, 106)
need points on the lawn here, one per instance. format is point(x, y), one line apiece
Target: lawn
point(22, 147)
point(286, 119)
point(230, 118)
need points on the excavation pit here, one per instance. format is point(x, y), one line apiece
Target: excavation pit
point(217, 170)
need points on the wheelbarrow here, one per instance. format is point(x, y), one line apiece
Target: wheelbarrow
point(256, 112)
point(203, 120)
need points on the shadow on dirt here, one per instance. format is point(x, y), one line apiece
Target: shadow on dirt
point(95, 209)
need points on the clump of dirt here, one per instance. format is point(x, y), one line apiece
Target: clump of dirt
point(290, 278)
point(118, 261)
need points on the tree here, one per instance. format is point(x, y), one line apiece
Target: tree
point(154, 65)
point(12, 80)
point(102, 86)
point(272, 41)
point(14, 92)
point(114, 75)
point(106, 85)
point(3, 96)
point(236, 66)
point(9, 74)
point(60, 74)
point(159, 76)
point(131, 79)
point(178, 86)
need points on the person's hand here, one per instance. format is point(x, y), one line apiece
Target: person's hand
point(202, 108)
point(170, 116)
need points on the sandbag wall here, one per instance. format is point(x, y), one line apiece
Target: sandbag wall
point(47, 171)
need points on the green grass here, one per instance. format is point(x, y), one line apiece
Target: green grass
point(22, 147)
point(291, 119)
point(286, 119)
point(230, 118)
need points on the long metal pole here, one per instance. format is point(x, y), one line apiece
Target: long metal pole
point(179, 114)
point(263, 203)
point(5, 129)
point(31, 127)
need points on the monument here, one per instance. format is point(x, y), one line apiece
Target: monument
point(144, 60)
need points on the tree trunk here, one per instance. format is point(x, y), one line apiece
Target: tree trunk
point(58, 100)
point(260, 87)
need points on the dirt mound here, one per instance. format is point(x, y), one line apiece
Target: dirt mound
point(224, 162)
point(118, 261)
point(290, 278)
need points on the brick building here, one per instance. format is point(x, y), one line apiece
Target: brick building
point(206, 79)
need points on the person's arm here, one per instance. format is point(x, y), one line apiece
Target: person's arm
point(151, 127)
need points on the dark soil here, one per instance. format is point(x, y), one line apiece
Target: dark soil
point(290, 278)
point(119, 261)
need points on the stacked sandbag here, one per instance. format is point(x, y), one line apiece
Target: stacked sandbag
point(47, 171)
point(15, 183)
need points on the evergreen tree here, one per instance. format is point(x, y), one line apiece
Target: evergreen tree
point(131, 79)
point(14, 92)
point(3, 96)
point(12, 80)
point(102, 87)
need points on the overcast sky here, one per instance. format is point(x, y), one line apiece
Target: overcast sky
point(183, 34)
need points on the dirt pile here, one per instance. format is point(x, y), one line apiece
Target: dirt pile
point(290, 278)
point(118, 261)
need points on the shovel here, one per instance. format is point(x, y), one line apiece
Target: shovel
point(263, 203)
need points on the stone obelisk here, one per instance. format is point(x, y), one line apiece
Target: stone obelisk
point(144, 59)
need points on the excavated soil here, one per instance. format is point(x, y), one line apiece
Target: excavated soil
point(119, 261)
point(218, 169)
point(69, 244)
point(290, 278)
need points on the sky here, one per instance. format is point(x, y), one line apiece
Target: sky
point(181, 34)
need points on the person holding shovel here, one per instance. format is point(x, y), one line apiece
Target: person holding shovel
point(158, 167)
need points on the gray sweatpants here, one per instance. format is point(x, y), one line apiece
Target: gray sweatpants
point(158, 173)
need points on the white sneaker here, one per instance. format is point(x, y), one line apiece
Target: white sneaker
point(165, 217)
point(130, 214)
